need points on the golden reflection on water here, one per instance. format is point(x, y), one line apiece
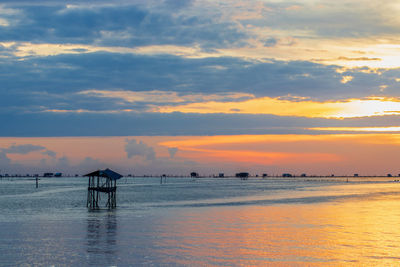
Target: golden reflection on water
point(360, 231)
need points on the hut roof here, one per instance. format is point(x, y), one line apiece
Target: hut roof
point(105, 173)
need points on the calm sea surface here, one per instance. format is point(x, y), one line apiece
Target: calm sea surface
point(223, 222)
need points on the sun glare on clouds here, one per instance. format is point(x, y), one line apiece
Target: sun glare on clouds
point(266, 105)
point(239, 103)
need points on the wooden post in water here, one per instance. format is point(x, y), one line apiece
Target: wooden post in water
point(37, 182)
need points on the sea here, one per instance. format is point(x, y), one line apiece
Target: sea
point(301, 221)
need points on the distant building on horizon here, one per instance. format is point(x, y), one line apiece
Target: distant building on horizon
point(242, 175)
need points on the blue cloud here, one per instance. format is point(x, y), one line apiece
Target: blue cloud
point(49, 153)
point(271, 42)
point(22, 149)
point(174, 124)
point(178, 4)
point(134, 148)
point(53, 82)
point(172, 151)
point(177, 22)
point(138, 24)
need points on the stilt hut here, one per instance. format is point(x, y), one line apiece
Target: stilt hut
point(102, 181)
point(242, 175)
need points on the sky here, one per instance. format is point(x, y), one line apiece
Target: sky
point(173, 86)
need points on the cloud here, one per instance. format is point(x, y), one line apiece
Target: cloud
point(135, 56)
point(4, 160)
point(172, 151)
point(270, 42)
point(346, 79)
point(89, 164)
point(178, 4)
point(133, 148)
point(143, 80)
point(163, 97)
point(321, 18)
point(218, 26)
point(22, 149)
point(135, 24)
point(49, 153)
point(359, 59)
point(173, 124)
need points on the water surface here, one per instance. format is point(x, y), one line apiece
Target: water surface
point(224, 222)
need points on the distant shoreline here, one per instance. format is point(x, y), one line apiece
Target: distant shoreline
point(209, 176)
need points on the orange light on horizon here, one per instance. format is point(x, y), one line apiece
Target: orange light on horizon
point(255, 157)
point(351, 108)
point(358, 129)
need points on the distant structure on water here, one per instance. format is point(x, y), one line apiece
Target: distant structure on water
point(102, 181)
point(287, 175)
point(194, 175)
point(242, 175)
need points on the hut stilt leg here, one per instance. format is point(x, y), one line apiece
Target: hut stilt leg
point(114, 193)
point(88, 196)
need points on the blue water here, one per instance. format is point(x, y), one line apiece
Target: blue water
point(206, 221)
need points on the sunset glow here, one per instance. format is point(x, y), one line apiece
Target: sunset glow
point(358, 129)
point(182, 85)
point(369, 153)
point(344, 109)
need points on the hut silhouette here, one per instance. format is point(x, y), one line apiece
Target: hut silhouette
point(102, 181)
point(242, 175)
